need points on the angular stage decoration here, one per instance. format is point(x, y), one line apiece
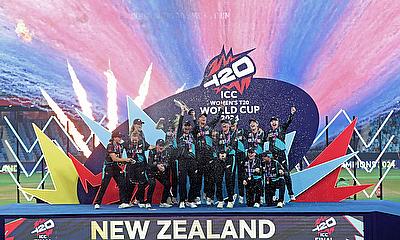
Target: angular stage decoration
point(325, 190)
point(86, 176)
point(62, 172)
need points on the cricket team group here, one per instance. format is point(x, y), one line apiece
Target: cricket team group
point(197, 160)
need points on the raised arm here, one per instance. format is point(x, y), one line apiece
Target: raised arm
point(216, 120)
point(179, 132)
point(285, 126)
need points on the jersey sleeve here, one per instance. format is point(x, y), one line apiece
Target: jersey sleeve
point(111, 148)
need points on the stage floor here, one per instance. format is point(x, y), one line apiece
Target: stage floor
point(345, 207)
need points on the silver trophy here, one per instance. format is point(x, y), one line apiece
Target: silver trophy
point(182, 105)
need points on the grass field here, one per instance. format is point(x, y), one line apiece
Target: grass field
point(391, 185)
point(8, 189)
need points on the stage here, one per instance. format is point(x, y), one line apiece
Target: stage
point(375, 218)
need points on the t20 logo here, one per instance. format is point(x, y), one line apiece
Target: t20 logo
point(324, 226)
point(227, 71)
point(43, 228)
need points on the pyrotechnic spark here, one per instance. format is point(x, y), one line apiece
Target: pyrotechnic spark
point(80, 92)
point(112, 107)
point(144, 88)
point(179, 90)
point(22, 31)
point(76, 135)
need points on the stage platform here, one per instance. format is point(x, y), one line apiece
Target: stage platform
point(368, 219)
point(345, 207)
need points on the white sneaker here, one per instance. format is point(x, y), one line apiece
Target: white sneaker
point(241, 200)
point(256, 205)
point(130, 204)
point(148, 205)
point(279, 205)
point(142, 205)
point(123, 205)
point(209, 201)
point(192, 205)
point(182, 205)
point(292, 198)
point(234, 197)
point(97, 206)
point(198, 201)
point(230, 204)
point(220, 205)
point(165, 205)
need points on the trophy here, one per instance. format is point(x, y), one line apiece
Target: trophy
point(160, 123)
point(182, 105)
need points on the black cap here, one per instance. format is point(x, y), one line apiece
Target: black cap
point(203, 114)
point(251, 150)
point(160, 142)
point(116, 134)
point(224, 121)
point(190, 111)
point(187, 123)
point(253, 120)
point(266, 154)
point(274, 118)
point(138, 121)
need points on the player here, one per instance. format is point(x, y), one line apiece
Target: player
point(239, 137)
point(136, 172)
point(273, 179)
point(112, 170)
point(255, 136)
point(187, 165)
point(202, 133)
point(276, 141)
point(253, 179)
point(160, 170)
point(226, 164)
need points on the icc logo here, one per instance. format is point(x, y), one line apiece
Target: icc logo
point(228, 71)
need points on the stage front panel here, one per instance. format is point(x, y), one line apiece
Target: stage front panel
point(189, 227)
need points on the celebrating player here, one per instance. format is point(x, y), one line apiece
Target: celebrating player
point(253, 179)
point(226, 164)
point(187, 165)
point(136, 172)
point(202, 133)
point(239, 146)
point(160, 170)
point(276, 141)
point(273, 179)
point(112, 170)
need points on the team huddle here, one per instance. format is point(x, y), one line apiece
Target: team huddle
point(196, 152)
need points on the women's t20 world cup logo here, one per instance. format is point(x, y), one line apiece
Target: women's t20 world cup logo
point(228, 71)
